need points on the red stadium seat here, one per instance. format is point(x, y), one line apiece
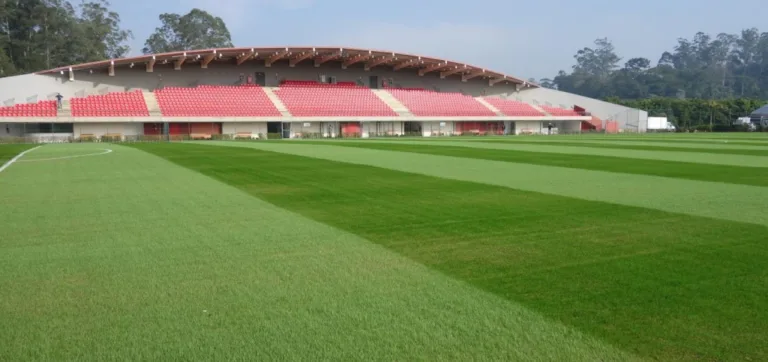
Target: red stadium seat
point(513, 108)
point(429, 103)
point(560, 112)
point(39, 109)
point(344, 99)
point(216, 101)
point(118, 104)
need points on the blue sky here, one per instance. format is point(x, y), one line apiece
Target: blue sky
point(521, 38)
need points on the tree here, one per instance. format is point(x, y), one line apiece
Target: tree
point(195, 30)
point(598, 62)
point(100, 28)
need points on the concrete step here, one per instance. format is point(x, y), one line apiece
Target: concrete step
point(152, 105)
point(490, 106)
point(65, 110)
point(276, 101)
point(536, 107)
point(392, 102)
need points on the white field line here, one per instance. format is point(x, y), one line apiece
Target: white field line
point(9, 163)
point(106, 151)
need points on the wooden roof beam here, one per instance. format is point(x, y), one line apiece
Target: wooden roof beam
point(328, 57)
point(356, 59)
point(301, 57)
point(177, 64)
point(151, 65)
point(378, 61)
point(275, 57)
point(245, 56)
point(473, 74)
point(432, 68)
point(493, 81)
point(407, 63)
point(207, 59)
point(456, 69)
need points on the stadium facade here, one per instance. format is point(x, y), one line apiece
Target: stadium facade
point(294, 91)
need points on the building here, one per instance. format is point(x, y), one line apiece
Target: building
point(294, 92)
point(760, 116)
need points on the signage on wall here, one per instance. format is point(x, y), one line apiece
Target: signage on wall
point(442, 124)
point(307, 124)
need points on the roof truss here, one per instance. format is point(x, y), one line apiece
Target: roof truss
point(177, 64)
point(327, 57)
point(493, 81)
point(275, 57)
point(407, 63)
point(456, 69)
point(245, 56)
point(112, 68)
point(356, 59)
point(151, 65)
point(432, 68)
point(379, 61)
point(207, 60)
point(472, 74)
point(300, 57)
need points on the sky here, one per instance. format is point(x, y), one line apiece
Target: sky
point(526, 39)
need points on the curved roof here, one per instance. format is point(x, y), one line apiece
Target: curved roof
point(347, 56)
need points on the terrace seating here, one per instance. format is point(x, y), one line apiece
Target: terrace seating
point(429, 103)
point(39, 109)
point(560, 112)
point(311, 99)
point(216, 101)
point(513, 108)
point(119, 104)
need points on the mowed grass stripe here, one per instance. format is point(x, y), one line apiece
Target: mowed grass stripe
point(129, 257)
point(556, 147)
point(666, 286)
point(640, 147)
point(684, 170)
point(742, 203)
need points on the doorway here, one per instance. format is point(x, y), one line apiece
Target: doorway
point(286, 130)
point(260, 79)
point(373, 82)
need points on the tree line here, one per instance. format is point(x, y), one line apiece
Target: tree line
point(44, 34)
point(706, 67)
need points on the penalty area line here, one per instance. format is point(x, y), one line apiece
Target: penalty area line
point(105, 151)
point(9, 163)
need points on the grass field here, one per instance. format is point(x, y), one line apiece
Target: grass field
point(558, 248)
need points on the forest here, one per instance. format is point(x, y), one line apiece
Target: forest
point(699, 82)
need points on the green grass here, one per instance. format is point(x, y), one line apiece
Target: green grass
point(661, 285)
point(684, 170)
point(126, 256)
point(9, 151)
point(695, 148)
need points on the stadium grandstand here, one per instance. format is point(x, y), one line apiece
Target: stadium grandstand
point(293, 92)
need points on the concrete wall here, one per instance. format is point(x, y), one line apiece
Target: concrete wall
point(299, 128)
point(629, 119)
point(256, 128)
point(12, 130)
point(100, 129)
point(524, 127)
point(31, 87)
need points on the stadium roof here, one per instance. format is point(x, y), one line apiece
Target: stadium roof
point(762, 111)
point(318, 55)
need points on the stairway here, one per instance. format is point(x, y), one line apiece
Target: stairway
point(392, 102)
point(276, 101)
point(152, 105)
point(536, 107)
point(65, 110)
point(490, 106)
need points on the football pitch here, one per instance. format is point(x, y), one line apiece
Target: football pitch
point(588, 248)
